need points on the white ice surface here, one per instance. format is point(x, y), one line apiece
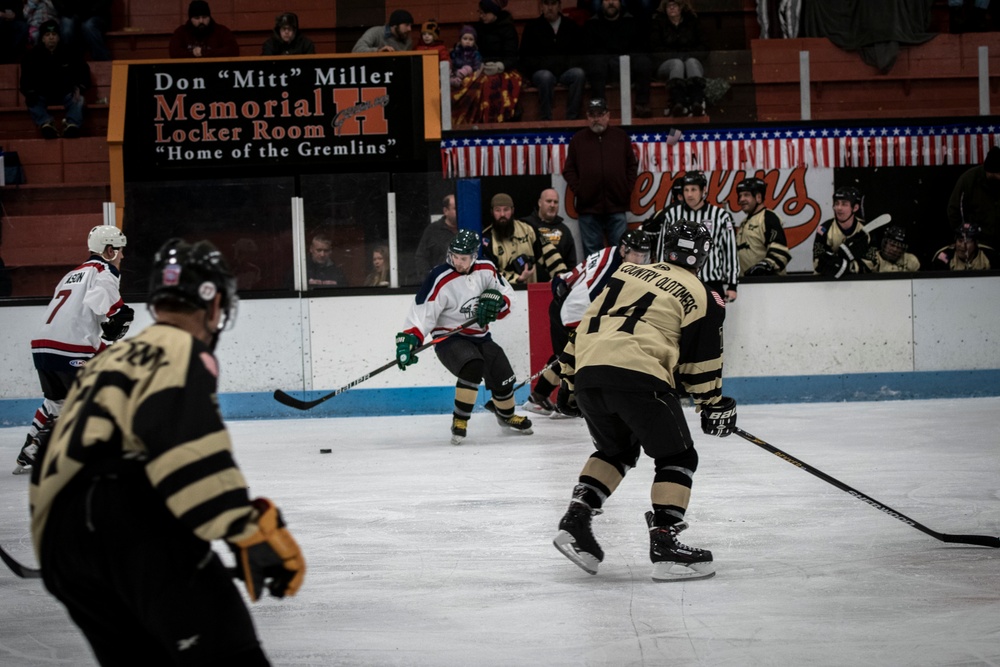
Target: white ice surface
point(421, 553)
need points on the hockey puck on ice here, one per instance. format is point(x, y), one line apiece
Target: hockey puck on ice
point(326, 451)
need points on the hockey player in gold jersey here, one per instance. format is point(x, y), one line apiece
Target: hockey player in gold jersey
point(653, 327)
point(139, 477)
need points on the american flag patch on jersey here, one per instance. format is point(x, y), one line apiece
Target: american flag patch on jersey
point(718, 299)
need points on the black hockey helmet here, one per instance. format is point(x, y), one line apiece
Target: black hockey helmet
point(193, 274)
point(753, 185)
point(968, 230)
point(848, 192)
point(696, 178)
point(637, 241)
point(895, 233)
point(677, 190)
point(686, 243)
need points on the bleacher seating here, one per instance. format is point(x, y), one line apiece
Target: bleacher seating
point(69, 179)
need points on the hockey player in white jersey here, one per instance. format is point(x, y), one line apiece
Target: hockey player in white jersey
point(86, 312)
point(572, 293)
point(451, 294)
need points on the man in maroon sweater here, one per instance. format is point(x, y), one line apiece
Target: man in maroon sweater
point(601, 169)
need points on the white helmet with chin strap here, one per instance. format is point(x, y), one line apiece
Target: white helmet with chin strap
point(102, 236)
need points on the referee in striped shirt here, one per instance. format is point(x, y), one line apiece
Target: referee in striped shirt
point(722, 268)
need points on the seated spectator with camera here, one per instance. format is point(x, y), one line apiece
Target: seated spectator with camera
point(516, 247)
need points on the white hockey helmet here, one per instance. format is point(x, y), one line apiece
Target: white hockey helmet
point(103, 236)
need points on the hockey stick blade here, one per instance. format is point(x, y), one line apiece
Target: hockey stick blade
point(22, 571)
point(978, 540)
point(292, 402)
point(880, 221)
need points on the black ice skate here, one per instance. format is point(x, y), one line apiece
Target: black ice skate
point(672, 560)
point(26, 458)
point(576, 540)
point(459, 428)
point(514, 424)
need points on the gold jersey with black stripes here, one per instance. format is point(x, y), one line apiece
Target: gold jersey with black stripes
point(149, 404)
point(653, 326)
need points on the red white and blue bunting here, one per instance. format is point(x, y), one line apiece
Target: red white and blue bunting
point(909, 145)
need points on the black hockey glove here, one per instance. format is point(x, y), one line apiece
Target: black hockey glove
point(761, 268)
point(117, 325)
point(855, 247)
point(270, 557)
point(559, 289)
point(490, 304)
point(832, 264)
point(719, 418)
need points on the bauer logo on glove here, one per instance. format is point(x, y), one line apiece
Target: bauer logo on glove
point(719, 418)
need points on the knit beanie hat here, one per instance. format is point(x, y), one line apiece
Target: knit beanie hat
point(400, 16)
point(501, 199)
point(198, 8)
point(492, 6)
point(431, 26)
point(468, 30)
point(288, 19)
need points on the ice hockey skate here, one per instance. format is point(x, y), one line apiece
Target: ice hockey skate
point(459, 428)
point(576, 541)
point(672, 560)
point(515, 424)
point(538, 405)
point(26, 458)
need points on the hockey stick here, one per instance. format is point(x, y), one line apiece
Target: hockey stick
point(880, 221)
point(979, 540)
point(293, 402)
point(22, 571)
point(553, 364)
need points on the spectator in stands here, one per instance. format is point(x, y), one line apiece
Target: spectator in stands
point(36, 12)
point(430, 40)
point(976, 198)
point(841, 243)
point(202, 37)
point(515, 247)
point(13, 30)
point(286, 40)
point(551, 45)
point(434, 241)
point(550, 226)
point(608, 35)
point(379, 276)
point(393, 36)
point(91, 18)
point(465, 57)
point(760, 239)
point(601, 168)
point(966, 253)
point(321, 271)
point(492, 95)
point(51, 74)
point(677, 46)
point(892, 256)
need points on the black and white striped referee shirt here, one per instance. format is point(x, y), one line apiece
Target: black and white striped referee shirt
point(722, 265)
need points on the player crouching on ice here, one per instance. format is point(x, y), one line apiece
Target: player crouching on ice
point(652, 326)
point(462, 288)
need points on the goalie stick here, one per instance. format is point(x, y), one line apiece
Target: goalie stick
point(979, 540)
point(292, 402)
point(22, 571)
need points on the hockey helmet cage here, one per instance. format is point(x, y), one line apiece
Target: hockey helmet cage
point(102, 236)
point(466, 242)
point(686, 243)
point(968, 230)
point(848, 192)
point(895, 233)
point(753, 185)
point(193, 274)
point(696, 178)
